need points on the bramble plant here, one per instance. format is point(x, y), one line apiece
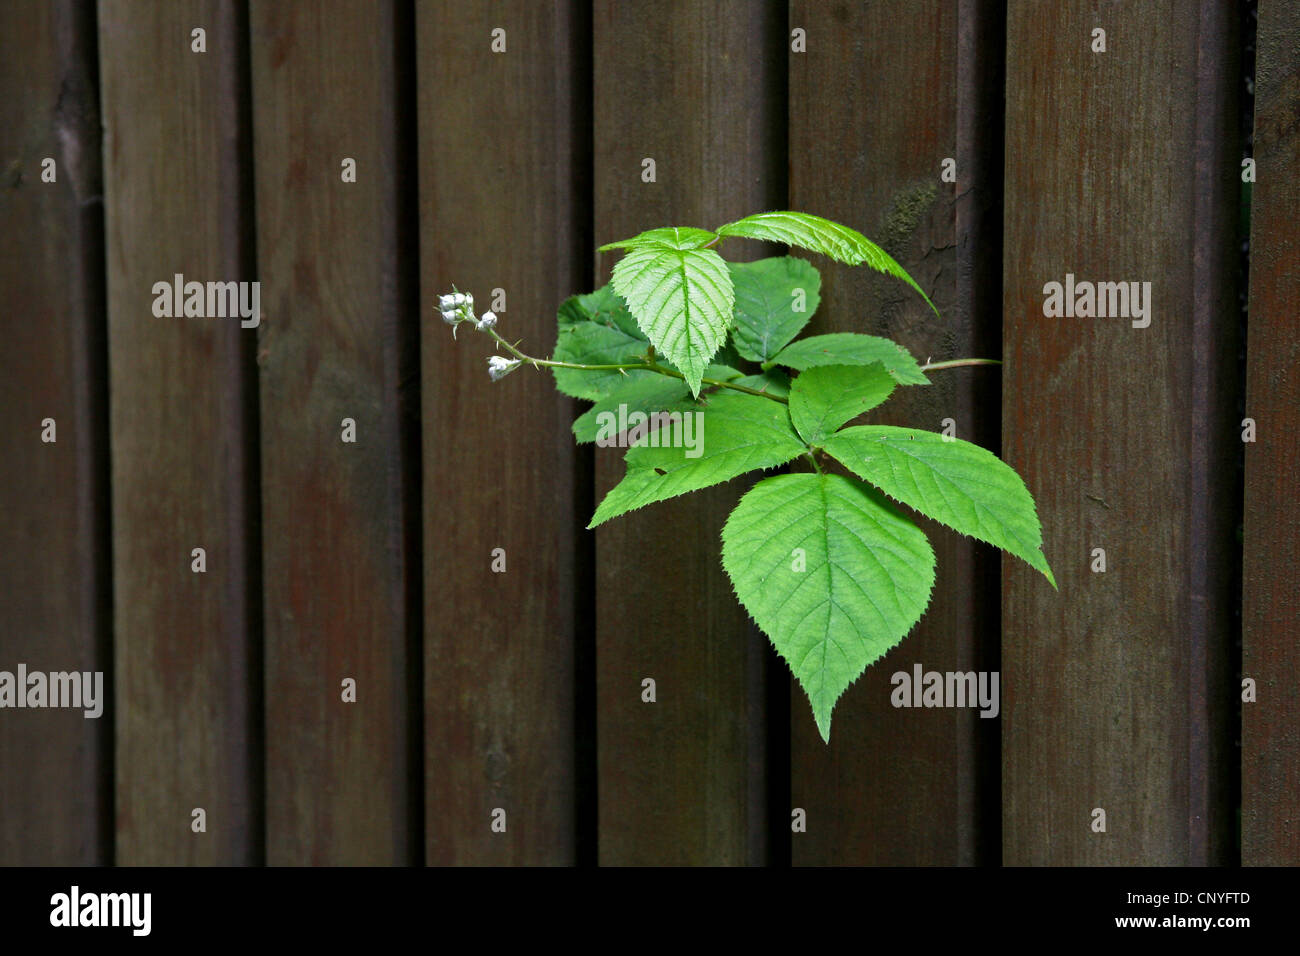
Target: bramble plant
point(828, 567)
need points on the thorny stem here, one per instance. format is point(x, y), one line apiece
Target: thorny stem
point(652, 366)
point(957, 363)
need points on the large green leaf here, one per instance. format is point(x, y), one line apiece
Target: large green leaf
point(682, 299)
point(675, 237)
point(645, 392)
point(851, 348)
point(824, 398)
point(740, 433)
point(821, 235)
point(831, 572)
point(775, 298)
point(966, 487)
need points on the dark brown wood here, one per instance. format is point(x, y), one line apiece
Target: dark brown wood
point(698, 89)
point(54, 764)
point(902, 786)
point(334, 556)
point(1119, 167)
point(1270, 773)
point(180, 408)
point(502, 163)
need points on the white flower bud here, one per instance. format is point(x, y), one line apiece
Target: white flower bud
point(499, 367)
point(488, 321)
point(450, 316)
point(446, 302)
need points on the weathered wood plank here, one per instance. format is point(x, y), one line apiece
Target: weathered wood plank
point(54, 764)
point(1270, 773)
point(338, 305)
point(1119, 168)
point(698, 88)
point(180, 397)
point(906, 786)
point(502, 162)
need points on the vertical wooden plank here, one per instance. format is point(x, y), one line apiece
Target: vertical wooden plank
point(502, 157)
point(698, 88)
point(905, 786)
point(53, 508)
point(1120, 168)
point(335, 555)
point(1270, 774)
point(181, 461)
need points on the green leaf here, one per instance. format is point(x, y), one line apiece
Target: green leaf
point(821, 235)
point(645, 392)
point(767, 292)
point(824, 398)
point(740, 433)
point(966, 487)
point(866, 579)
point(673, 237)
point(851, 348)
point(682, 299)
point(597, 329)
point(774, 382)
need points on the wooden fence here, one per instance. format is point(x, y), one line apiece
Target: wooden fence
point(500, 160)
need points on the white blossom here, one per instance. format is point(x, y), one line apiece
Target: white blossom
point(488, 321)
point(499, 367)
point(446, 302)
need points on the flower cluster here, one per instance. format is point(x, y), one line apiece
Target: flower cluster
point(458, 307)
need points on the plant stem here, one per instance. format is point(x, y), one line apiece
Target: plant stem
point(652, 366)
point(957, 363)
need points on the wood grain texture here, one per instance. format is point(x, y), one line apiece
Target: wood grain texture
point(500, 171)
point(335, 554)
point(698, 88)
point(1270, 773)
point(54, 784)
point(905, 786)
point(1119, 168)
point(180, 409)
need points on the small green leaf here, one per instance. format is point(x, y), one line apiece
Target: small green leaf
point(821, 235)
point(768, 292)
point(831, 572)
point(673, 237)
point(682, 299)
point(739, 433)
point(966, 487)
point(852, 348)
point(824, 398)
point(597, 329)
